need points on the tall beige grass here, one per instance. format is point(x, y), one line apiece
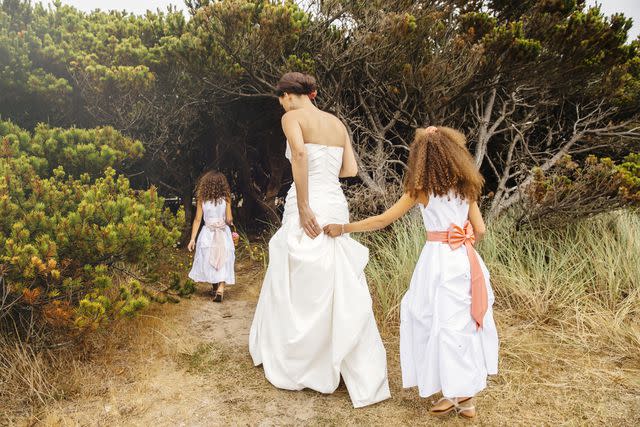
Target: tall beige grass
point(27, 376)
point(33, 378)
point(393, 256)
point(581, 283)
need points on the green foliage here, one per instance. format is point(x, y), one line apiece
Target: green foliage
point(572, 190)
point(77, 151)
point(42, 50)
point(384, 67)
point(60, 234)
point(181, 286)
point(629, 171)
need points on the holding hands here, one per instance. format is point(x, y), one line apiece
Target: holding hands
point(334, 230)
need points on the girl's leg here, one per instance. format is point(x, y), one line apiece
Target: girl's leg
point(219, 293)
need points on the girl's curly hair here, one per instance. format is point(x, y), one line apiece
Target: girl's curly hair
point(212, 186)
point(439, 163)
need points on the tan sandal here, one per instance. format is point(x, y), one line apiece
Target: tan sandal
point(455, 405)
point(466, 411)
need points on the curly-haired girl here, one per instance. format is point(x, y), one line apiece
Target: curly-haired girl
point(215, 254)
point(448, 339)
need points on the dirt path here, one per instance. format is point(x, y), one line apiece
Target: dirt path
point(189, 366)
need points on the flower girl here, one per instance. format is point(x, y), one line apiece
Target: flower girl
point(215, 254)
point(448, 339)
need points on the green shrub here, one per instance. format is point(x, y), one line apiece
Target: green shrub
point(61, 234)
point(572, 191)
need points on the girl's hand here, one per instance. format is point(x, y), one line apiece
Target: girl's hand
point(192, 245)
point(308, 222)
point(334, 230)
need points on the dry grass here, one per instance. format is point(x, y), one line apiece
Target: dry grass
point(32, 381)
point(580, 285)
point(26, 376)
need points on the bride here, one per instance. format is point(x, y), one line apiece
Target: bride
point(314, 320)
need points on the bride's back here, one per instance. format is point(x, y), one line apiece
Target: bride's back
point(319, 127)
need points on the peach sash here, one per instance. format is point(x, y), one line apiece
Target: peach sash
point(218, 250)
point(456, 237)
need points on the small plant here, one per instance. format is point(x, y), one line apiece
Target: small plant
point(181, 286)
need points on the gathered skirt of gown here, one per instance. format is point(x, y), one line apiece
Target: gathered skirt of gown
point(440, 346)
point(314, 319)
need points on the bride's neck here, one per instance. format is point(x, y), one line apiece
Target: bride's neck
point(302, 102)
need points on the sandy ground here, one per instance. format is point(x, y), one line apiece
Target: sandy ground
point(188, 365)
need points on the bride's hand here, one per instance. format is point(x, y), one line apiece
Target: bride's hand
point(308, 222)
point(334, 230)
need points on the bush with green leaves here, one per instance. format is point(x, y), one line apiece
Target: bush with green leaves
point(62, 234)
point(573, 191)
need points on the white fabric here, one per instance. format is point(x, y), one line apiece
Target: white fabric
point(202, 270)
point(314, 320)
point(440, 348)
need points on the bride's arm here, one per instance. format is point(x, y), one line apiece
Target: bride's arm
point(300, 171)
point(349, 164)
point(377, 222)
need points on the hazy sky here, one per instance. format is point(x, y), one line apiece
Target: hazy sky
point(630, 8)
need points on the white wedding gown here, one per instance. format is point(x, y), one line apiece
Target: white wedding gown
point(314, 320)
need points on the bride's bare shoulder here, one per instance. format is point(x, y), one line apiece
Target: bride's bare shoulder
point(291, 115)
point(339, 124)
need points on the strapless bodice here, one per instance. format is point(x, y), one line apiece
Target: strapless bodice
point(325, 162)
point(325, 193)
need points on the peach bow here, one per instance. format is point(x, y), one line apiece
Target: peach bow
point(457, 237)
point(217, 251)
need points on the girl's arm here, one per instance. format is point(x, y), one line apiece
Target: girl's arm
point(228, 214)
point(475, 218)
point(377, 222)
point(349, 164)
point(196, 226)
point(300, 170)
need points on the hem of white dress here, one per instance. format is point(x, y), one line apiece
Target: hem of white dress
point(356, 403)
point(363, 403)
point(202, 280)
point(465, 393)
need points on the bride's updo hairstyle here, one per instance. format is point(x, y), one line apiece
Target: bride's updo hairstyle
point(296, 84)
point(439, 163)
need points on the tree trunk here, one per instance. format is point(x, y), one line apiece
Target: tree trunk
point(248, 188)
